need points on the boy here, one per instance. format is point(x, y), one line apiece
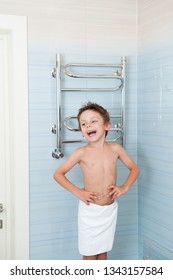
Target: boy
point(97, 213)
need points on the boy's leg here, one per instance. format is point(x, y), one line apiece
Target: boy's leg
point(90, 257)
point(102, 256)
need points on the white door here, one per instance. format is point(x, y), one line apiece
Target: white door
point(14, 178)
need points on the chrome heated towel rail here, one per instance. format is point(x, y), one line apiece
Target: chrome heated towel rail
point(119, 75)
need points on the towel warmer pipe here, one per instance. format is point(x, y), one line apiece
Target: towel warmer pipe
point(85, 141)
point(67, 119)
point(56, 73)
point(123, 119)
point(116, 128)
point(57, 129)
point(117, 74)
point(93, 89)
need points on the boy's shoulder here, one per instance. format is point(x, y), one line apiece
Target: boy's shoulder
point(80, 150)
point(111, 145)
point(83, 150)
point(114, 146)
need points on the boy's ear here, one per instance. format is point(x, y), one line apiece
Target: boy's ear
point(108, 126)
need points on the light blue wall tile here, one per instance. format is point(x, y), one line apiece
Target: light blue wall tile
point(155, 107)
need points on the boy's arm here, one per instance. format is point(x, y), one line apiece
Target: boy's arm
point(117, 191)
point(59, 176)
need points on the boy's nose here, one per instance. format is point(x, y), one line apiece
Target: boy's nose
point(88, 124)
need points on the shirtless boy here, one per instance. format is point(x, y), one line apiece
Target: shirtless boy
point(98, 205)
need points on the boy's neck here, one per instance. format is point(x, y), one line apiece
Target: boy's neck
point(98, 145)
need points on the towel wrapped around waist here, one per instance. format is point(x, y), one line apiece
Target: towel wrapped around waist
point(96, 227)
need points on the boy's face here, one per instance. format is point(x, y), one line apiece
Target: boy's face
point(92, 125)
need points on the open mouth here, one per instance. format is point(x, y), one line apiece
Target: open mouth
point(91, 133)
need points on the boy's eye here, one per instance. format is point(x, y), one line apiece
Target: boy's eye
point(82, 124)
point(94, 121)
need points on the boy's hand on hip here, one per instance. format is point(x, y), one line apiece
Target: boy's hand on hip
point(116, 191)
point(89, 197)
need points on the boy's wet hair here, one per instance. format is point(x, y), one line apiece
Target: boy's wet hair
point(97, 108)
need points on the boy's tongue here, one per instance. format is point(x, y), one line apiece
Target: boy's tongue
point(92, 133)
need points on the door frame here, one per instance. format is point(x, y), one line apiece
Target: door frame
point(16, 169)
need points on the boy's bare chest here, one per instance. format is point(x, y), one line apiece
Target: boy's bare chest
point(99, 161)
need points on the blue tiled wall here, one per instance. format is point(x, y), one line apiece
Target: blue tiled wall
point(155, 130)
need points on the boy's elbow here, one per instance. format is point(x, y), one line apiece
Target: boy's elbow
point(55, 176)
point(137, 170)
point(58, 175)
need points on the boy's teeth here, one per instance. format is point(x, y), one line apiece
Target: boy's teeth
point(91, 132)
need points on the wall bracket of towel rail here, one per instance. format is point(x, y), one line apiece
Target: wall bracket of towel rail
point(118, 73)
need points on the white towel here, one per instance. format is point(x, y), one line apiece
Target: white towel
point(96, 227)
